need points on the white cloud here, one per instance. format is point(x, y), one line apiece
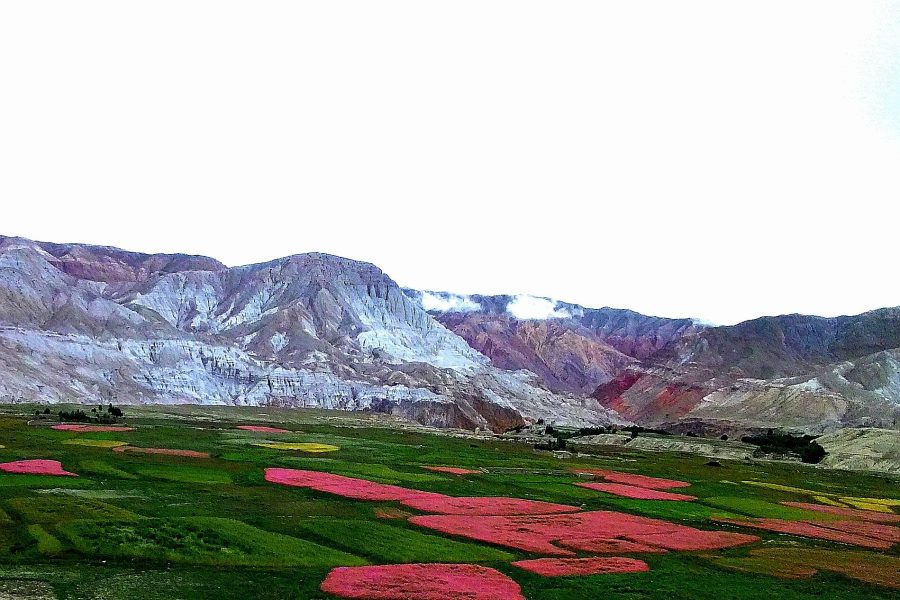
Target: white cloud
point(448, 303)
point(697, 158)
point(531, 307)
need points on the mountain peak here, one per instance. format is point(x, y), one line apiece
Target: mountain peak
point(311, 329)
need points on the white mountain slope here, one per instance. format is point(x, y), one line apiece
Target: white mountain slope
point(83, 323)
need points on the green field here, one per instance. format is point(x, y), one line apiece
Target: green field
point(156, 526)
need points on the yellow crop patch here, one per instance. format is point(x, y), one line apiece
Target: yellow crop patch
point(872, 506)
point(882, 501)
point(783, 488)
point(96, 443)
point(302, 446)
point(829, 501)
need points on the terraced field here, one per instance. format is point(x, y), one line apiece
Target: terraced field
point(250, 503)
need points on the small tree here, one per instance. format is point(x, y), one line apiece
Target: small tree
point(813, 453)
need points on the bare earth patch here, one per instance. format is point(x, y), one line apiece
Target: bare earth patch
point(163, 451)
point(816, 530)
point(451, 470)
point(263, 429)
point(91, 428)
point(877, 569)
point(853, 513)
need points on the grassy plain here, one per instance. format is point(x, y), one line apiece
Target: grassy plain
point(157, 526)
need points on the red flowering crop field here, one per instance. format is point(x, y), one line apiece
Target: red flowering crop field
point(567, 567)
point(421, 582)
point(631, 491)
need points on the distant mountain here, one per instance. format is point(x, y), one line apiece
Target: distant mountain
point(573, 348)
point(85, 323)
point(95, 324)
point(797, 371)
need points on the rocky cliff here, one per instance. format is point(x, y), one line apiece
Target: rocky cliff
point(97, 324)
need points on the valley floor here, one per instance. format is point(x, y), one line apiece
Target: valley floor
point(253, 509)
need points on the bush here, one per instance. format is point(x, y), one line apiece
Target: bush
point(636, 429)
point(782, 443)
point(813, 453)
point(74, 415)
point(101, 415)
point(589, 431)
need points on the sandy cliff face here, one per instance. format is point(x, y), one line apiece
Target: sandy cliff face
point(84, 323)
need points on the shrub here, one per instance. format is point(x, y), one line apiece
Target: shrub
point(74, 415)
point(813, 453)
point(782, 443)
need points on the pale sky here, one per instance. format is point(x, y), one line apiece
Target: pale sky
point(721, 160)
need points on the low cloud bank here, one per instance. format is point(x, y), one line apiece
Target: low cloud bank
point(448, 303)
point(532, 307)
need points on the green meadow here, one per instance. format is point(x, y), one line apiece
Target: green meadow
point(156, 526)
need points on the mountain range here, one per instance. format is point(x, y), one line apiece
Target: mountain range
point(92, 324)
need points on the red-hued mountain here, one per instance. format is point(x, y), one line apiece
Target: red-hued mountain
point(792, 370)
point(573, 348)
point(797, 371)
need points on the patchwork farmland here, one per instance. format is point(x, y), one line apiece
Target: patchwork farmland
point(182, 502)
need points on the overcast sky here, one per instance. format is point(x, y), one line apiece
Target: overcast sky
point(721, 160)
